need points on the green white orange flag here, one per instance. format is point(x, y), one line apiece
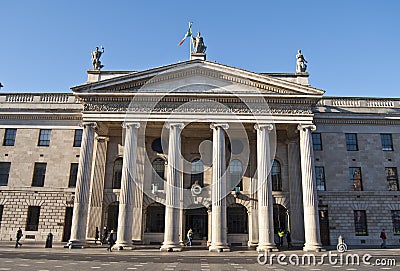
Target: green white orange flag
point(188, 34)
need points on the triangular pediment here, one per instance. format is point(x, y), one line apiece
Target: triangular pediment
point(196, 77)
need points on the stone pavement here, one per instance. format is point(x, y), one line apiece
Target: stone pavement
point(33, 256)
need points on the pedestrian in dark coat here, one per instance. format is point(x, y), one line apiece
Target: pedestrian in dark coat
point(19, 236)
point(111, 241)
point(97, 236)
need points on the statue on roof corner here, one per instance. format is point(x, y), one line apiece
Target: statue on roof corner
point(301, 62)
point(198, 44)
point(96, 54)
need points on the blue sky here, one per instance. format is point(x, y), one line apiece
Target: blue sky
point(352, 46)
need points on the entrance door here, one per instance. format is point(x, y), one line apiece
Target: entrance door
point(197, 220)
point(67, 224)
point(112, 216)
point(324, 227)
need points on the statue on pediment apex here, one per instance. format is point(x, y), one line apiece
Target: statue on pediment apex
point(301, 62)
point(96, 54)
point(198, 44)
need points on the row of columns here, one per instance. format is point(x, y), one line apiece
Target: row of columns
point(218, 190)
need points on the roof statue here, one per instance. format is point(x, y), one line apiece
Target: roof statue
point(96, 54)
point(301, 62)
point(198, 44)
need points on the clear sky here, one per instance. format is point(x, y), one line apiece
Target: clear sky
point(352, 46)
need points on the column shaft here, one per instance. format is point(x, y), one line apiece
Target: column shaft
point(310, 204)
point(81, 203)
point(126, 198)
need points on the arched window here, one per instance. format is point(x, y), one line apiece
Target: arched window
point(197, 172)
point(156, 145)
point(237, 219)
point(117, 173)
point(236, 173)
point(158, 173)
point(276, 176)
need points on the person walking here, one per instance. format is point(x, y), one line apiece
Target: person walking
point(19, 236)
point(383, 237)
point(189, 237)
point(288, 239)
point(111, 241)
point(281, 234)
point(97, 235)
point(105, 236)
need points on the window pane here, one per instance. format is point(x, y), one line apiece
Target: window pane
point(4, 173)
point(276, 176)
point(317, 141)
point(392, 179)
point(158, 174)
point(320, 177)
point(351, 142)
point(155, 219)
point(9, 137)
point(73, 175)
point(355, 179)
point(236, 174)
point(197, 175)
point(360, 223)
point(78, 137)
point(396, 222)
point(386, 140)
point(32, 222)
point(117, 175)
point(39, 174)
point(44, 137)
point(237, 219)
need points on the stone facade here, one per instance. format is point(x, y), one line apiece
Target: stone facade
point(115, 180)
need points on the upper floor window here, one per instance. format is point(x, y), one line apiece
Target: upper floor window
point(351, 142)
point(360, 223)
point(387, 143)
point(117, 173)
point(32, 222)
point(73, 175)
point(355, 179)
point(320, 177)
point(157, 145)
point(276, 176)
point(78, 137)
point(39, 173)
point(158, 174)
point(4, 173)
point(9, 137)
point(396, 222)
point(392, 179)
point(236, 173)
point(197, 176)
point(317, 141)
point(44, 137)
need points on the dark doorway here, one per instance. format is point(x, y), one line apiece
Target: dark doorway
point(280, 218)
point(324, 227)
point(197, 220)
point(112, 216)
point(67, 224)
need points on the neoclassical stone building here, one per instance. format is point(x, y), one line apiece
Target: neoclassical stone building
point(232, 154)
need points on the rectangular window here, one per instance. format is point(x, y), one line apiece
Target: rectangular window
point(39, 173)
point(9, 137)
point(4, 173)
point(355, 179)
point(387, 143)
point(44, 137)
point(32, 222)
point(396, 222)
point(73, 175)
point(360, 223)
point(320, 176)
point(1, 213)
point(78, 137)
point(317, 141)
point(351, 142)
point(392, 179)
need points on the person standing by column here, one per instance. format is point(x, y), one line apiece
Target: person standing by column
point(19, 236)
point(383, 237)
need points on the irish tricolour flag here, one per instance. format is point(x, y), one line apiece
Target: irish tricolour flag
point(188, 34)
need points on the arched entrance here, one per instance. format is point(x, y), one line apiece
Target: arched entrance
point(197, 220)
point(112, 216)
point(280, 218)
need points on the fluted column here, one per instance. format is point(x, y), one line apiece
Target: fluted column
point(218, 190)
point(172, 189)
point(125, 214)
point(81, 203)
point(264, 193)
point(310, 204)
point(253, 210)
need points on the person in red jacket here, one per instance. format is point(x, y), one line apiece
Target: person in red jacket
point(383, 237)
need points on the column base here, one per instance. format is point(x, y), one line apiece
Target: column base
point(219, 248)
point(252, 244)
point(313, 247)
point(72, 244)
point(123, 246)
point(266, 247)
point(170, 248)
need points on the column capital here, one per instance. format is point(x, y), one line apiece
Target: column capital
point(224, 126)
point(131, 124)
point(179, 125)
point(260, 126)
point(89, 124)
point(102, 138)
point(312, 127)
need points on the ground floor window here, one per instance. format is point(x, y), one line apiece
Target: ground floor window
point(155, 218)
point(237, 219)
point(360, 223)
point(396, 222)
point(32, 222)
